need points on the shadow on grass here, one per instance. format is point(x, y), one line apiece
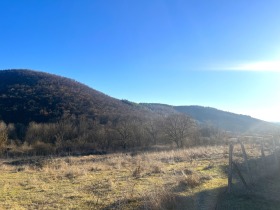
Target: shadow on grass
point(216, 199)
point(263, 194)
point(36, 162)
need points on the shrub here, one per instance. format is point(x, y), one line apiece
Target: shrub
point(159, 199)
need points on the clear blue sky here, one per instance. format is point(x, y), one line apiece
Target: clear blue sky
point(218, 53)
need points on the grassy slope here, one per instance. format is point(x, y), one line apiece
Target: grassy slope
point(181, 179)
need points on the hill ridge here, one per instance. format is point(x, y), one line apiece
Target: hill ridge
point(28, 95)
point(46, 97)
point(224, 120)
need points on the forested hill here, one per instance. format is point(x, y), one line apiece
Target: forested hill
point(31, 96)
point(225, 120)
point(217, 118)
point(27, 95)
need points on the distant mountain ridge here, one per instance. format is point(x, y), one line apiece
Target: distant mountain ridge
point(220, 119)
point(224, 120)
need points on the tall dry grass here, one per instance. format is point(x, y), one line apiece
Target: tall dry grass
point(146, 180)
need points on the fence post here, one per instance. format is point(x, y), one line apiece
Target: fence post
point(230, 168)
point(263, 155)
point(275, 153)
point(262, 149)
point(246, 159)
point(240, 175)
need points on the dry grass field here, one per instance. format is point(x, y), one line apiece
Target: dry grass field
point(174, 179)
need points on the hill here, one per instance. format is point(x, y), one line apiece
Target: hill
point(221, 119)
point(27, 95)
point(217, 118)
point(31, 96)
point(57, 115)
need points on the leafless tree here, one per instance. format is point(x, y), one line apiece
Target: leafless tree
point(124, 131)
point(153, 129)
point(3, 135)
point(178, 129)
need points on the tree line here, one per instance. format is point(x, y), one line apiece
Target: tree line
point(81, 135)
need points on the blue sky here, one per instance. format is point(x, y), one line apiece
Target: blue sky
point(218, 53)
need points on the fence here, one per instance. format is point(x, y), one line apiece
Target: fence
point(247, 170)
point(253, 165)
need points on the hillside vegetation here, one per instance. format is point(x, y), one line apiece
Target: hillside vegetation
point(41, 114)
point(227, 120)
point(30, 96)
point(205, 116)
point(47, 114)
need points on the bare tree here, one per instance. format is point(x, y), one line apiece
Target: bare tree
point(124, 131)
point(153, 128)
point(3, 135)
point(178, 128)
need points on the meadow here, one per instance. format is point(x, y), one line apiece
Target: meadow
point(194, 178)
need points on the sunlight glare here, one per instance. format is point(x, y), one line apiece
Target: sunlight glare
point(273, 66)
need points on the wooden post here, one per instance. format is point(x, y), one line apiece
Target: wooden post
point(263, 155)
point(230, 168)
point(262, 149)
point(275, 153)
point(245, 159)
point(240, 175)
